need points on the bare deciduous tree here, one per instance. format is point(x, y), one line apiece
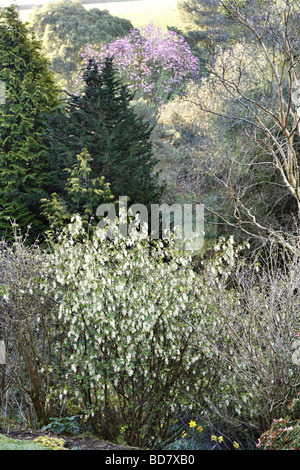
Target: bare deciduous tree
point(258, 79)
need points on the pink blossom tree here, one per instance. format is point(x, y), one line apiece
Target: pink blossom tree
point(155, 64)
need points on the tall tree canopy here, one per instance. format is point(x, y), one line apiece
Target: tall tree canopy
point(30, 94)
point(65, 27)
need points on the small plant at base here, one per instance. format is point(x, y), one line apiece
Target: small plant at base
point(51, 442)
point(60, 425)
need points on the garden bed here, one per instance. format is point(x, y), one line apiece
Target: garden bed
point(71, 442)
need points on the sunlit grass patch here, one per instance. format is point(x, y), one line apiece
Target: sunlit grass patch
point(161, 13)
point(7, 443)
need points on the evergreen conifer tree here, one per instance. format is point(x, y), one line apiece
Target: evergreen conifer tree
point(102, 120)
point(30, 93)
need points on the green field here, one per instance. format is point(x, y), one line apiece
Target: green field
point(162, 13)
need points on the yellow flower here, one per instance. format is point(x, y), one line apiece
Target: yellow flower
point(220, 439)
point(236, 445)
point(213, 438)
point(200, 428)
point(192, 424)
point(183, 434)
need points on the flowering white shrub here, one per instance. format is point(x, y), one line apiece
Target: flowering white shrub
point(125, 332)
point(148, 339)
point(129, 307)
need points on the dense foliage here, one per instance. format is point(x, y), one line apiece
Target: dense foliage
point(284, 433)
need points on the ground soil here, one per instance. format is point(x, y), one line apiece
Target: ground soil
point(78, 442)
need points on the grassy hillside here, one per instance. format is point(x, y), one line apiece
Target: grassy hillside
point(162, 13)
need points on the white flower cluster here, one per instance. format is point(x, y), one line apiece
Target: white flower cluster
point(129, 308)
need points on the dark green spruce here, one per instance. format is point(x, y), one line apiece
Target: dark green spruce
point(102, 120)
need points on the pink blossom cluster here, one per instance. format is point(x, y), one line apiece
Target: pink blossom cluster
point(153, 63)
